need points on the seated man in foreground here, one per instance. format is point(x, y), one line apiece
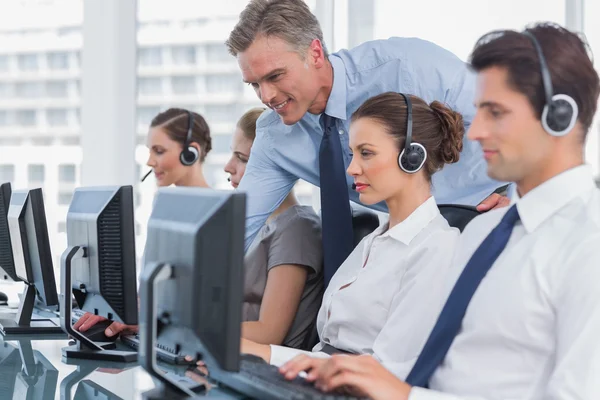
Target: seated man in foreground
point(528, 328)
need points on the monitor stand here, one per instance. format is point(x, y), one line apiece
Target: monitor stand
point(84, 348)
point(23, 323)
point(166, 388)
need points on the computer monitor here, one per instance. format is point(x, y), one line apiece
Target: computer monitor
point(192, 280)
point(7, 263)
point(98, 266)
point(33, 263)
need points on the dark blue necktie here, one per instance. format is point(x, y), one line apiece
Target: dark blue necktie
point(336, 214)
point(449, 322)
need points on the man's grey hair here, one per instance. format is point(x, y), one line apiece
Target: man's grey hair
point(289, 20)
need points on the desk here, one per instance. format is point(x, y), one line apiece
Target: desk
point(33, 368)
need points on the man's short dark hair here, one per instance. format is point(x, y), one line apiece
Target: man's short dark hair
point(568, 58)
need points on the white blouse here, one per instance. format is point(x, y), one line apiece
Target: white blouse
point(385, 298)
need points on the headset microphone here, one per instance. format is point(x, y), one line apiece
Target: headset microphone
point(147, 174)
point(228, 179)
point(354, 186)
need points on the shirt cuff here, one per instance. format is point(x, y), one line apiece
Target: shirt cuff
point(281, 354)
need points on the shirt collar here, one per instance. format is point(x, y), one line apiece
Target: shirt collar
point(546, 199)
point(408, 229)
point(336, 104)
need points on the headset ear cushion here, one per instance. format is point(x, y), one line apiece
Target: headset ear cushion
point(189, 156)
point(413, 161)
point(560, 116)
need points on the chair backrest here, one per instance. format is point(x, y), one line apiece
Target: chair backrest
point(457, 215)
point(364, 222)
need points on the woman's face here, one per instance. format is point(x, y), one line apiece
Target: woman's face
point(240, 153)
point(164, 158)
point(374, 165)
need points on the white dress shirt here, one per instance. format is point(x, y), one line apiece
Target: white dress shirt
point(532, 329)
point(396, 290)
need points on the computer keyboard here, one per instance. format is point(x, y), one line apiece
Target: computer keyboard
point(263, 381)
point(163, 353)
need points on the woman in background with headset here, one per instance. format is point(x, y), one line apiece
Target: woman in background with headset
point(283, 268)
point(179, 141)
point(385, 298)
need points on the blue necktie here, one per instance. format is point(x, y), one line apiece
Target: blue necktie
point(336, 214)
point(449, 322)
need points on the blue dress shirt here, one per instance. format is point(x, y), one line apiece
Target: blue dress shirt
point(282, 154)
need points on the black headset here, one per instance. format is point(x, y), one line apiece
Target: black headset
point(189, 155)
point(413, 156)
point(560, 111)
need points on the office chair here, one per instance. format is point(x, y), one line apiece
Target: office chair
point(457, 215)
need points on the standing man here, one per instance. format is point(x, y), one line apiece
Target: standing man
point(311, 94)
point(523, 318)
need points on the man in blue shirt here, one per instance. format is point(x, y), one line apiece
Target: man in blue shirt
point(280, 50)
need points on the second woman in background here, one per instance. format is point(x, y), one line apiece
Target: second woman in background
point(283, 267)
point(179, 141)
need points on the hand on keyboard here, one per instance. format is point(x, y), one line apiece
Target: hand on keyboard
point(354, 375)
point(88, 320)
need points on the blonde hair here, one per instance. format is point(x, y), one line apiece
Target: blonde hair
point(247, 122)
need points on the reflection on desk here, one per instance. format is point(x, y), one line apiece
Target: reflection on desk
point(31, 368)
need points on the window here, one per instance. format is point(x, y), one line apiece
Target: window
point(224, 83)
point(6, 90)
point(221, 144)
point(58, 61)
point(57, 89)
point(217, 52)
point(7, 173)
point(183, 84)
point(361, 17)
point(42, 141)
point(36, 173)
point(150, 57)
point(183, 55)
point(69, 141)
point(214, 174)
point(57, 117)
point(66, 173)
point(62, 227)
point(25, 117)
point(146, 114)
point(64, 198)
point(150, 86)
point(221, 112)
point(28, 62)
point(30, 90)
point(4, 63)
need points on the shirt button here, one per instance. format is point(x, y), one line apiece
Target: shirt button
point(341, 131)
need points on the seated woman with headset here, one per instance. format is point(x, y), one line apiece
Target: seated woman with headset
point(394, 278)
point(283, 272)
point(179, 141)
